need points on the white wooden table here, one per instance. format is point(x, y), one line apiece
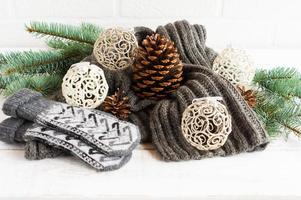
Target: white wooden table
point(272, 174)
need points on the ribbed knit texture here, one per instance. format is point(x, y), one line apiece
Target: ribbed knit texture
point(37, 150)
point(12, 130)
point(9, 130)
point(190, 41)
point(26, 104)
point(165, 121)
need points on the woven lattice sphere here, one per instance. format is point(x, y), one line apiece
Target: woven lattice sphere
point(206, 123)
point(115, 48)
point(85, 85)
point(234, 65)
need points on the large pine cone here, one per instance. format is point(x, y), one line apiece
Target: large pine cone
point(158, 70)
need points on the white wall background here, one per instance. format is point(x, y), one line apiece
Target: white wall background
point(251, 24)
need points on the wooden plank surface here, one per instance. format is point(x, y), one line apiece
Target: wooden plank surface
point(274, 172)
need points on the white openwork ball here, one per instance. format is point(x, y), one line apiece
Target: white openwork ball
point(115, 48)
point(206, 123)
point(85, 85)
point(234, 65)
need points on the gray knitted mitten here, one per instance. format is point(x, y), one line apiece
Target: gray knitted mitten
point(89, 154)
point(12, 130)
point(247, 132)
point(38, 150)
point(43, 143)
point(112, 136)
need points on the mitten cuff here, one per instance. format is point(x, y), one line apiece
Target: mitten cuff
point(9, 130)
point(12, 103)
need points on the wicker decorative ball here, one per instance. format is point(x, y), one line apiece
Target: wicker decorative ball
point(206, 123)
point(85, 85)
point(115, 48)
point(234, 65)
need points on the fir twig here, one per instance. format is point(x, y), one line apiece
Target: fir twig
point(2, 59)
point(85, 33)
point(274, 74)
point(70, 46)
point(278, 105)
point(37, 62)
point(292, 129)
point(282, 81)
point(43, 83)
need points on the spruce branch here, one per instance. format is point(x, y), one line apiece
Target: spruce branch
point(282, 81)
point(293, 127)
point(2, 59)
point(91, 31)
point(85, 33)
point(37, 62)
point(285, 88)
point(5, 80)
point(70, 46)
point(30, 69)
point(276, 73)
point(43, 83)
point(278, 100)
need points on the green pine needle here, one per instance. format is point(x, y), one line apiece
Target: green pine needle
point(293, 125)
point(2, 59)
point(37, 62)
point(278, 100)
point(85, 33)
point(274, 74)
point(91, 31)
point(70, 46)
point(5, 80)
point(43, 83)
point(282, 81)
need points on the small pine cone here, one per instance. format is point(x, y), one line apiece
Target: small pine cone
point(158, 70)
point(118, 105)
point(249, 96)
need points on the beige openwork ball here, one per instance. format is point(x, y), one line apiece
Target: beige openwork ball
point(85, 85)
point(115, 48)
point(206, 123)
point(234, 65)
